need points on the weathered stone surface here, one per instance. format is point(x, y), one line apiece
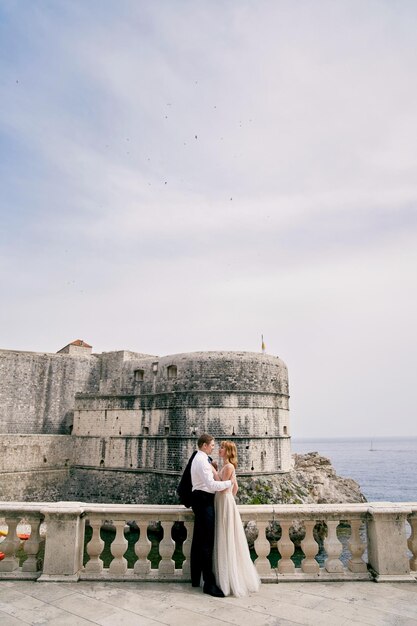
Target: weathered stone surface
point(312, 480)
point(37, 390)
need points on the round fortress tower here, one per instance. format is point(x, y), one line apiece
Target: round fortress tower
point(241, 396)
point(220, 371)
point(160, 405)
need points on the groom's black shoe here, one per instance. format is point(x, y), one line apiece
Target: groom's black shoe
point(213, 590)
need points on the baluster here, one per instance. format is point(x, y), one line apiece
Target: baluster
point(186, 549)
point(310, 548)
point(357, 547)
point(118, 548)
point(286, 550)
point(95, 548)
point(412, 543)
point(166, 550)
point(333, 548)
point(142, 549)
point(262, 549)
point(31, 547)
point(10, 546)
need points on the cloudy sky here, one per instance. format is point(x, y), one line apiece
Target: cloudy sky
point(186, 175)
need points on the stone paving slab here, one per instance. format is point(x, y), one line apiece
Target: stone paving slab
point(174, 604)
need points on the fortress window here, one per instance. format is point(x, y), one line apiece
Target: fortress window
point(146, 430)
point(155, 367)
point(285, 430)
point(167, 430)
point(138, 375)
point(172, 371)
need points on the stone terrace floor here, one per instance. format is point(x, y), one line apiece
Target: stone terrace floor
point(137, 604)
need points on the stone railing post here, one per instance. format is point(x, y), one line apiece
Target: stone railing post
point(286, 549)
point(142, 549)
point(186, 549)
point(310, 548)
point(118, 547)
point(412, 541)
point(31, 545)
point(387, 542)
point(357, 547)
point(333, 548)
point(95, 547)
point(262, 549)
point(10, 545)
point(166, 550)
point(64, 545)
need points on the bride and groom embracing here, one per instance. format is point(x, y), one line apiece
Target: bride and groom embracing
point(219, 550)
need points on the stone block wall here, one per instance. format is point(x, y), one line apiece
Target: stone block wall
point(121, 487)
point(37, 390)
point(183, 413)
point(35, 452)
point(170, 454)
point(35, 467)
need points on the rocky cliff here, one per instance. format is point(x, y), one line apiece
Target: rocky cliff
point(312, 480)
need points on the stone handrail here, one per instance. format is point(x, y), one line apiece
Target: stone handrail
point(377, 547)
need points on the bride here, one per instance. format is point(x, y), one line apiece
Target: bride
point(233, 568)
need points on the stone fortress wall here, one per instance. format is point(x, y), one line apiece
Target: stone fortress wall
point(120, 426)
point(37, 390)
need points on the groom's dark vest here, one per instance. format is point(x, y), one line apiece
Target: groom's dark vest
point(185, 486)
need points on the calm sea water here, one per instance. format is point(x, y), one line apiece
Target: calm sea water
point(386, 469)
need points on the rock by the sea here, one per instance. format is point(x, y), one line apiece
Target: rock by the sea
point(313, 480)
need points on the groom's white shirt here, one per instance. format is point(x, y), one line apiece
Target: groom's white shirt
point(202, 475)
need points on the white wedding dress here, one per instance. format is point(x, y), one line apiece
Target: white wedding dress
point(233, 568)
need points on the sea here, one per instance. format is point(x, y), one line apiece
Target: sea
point(385, 468)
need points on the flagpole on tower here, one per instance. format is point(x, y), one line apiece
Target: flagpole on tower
point(263, 345)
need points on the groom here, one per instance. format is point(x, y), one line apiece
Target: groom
point(202, 499)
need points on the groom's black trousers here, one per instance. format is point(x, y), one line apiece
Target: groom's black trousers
point(203, 538)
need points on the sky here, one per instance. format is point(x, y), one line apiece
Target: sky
point(188, 175)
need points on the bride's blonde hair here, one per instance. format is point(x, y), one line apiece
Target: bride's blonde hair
point(231, 452)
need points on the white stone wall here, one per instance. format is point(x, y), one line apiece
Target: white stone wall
point(37, 390)
point(35, 467)
point(22, 453)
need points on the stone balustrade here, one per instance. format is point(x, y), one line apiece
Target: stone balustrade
point(370, 541)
